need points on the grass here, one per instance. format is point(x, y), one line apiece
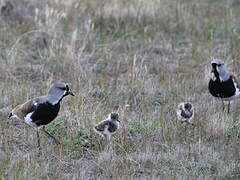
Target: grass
point(141, 58)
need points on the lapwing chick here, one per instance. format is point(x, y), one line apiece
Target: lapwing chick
point(40, 111)
point(108, 126)
point(223, 85)
point(185, 112)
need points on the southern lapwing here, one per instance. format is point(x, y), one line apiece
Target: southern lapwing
point(223, 84)
point(108, 126)
point(42, 110)
point(185, 112)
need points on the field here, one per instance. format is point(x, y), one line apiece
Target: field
point(140, 58)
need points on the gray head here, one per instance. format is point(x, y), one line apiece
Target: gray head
point(57, 92)
point(218, 70)
point(114, 116)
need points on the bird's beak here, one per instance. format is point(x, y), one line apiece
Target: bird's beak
point(10, 115)
point(71, 93)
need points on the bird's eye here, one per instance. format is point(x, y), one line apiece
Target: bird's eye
point(219, 65)
point(67, 88)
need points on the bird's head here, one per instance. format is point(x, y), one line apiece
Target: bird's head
point(58, 91)
point(185, 106)
point(218, 70)
point(188, 106)
point(114, 116)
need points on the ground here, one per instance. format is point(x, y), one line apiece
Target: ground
point(140, 58)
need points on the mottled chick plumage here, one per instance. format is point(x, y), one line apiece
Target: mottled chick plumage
point(185, 112)
point(108, 126)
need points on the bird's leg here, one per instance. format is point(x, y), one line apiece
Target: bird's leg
point(223, 106)
point(107, 136)
point(44, 130)
point(188, 121)
point(38, 139)
point(106, 133)
point(228, 111)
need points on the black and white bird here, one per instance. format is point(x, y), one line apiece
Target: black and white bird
point(223, 84)
point(108, 126)
point(185, 112)
point(42, 110)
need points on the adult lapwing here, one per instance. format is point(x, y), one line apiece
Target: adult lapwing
point(108, 126)
point(42, 110)
point(185, 112)
point(223, 84)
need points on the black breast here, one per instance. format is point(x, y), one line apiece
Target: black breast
point(45, 113)
point(112, 127)
point(222, 89)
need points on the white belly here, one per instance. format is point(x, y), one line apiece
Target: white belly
point(28, 120)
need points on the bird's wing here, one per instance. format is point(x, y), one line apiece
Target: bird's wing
point(235, 80)
point(186, 114)
point(23, 109)
point(101, 126)
point(105, 131)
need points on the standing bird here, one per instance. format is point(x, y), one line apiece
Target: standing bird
point(42, 110)
point(223, 84)
point(109, 126)
point(185, 112)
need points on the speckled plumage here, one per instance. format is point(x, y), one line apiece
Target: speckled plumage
point(185, 112)
point(108, 126)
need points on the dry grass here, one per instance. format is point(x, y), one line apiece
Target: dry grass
point(150, 55)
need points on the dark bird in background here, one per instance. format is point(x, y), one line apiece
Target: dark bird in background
point(109, 126)
point(223, 85)
point(185, 112)
point(42, 110)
